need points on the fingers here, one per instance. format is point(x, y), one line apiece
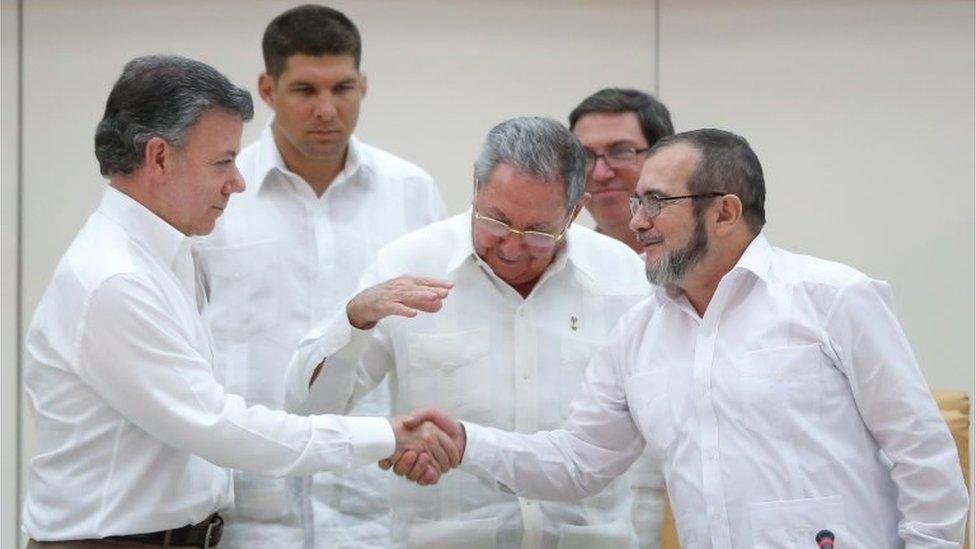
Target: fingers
point(443, 421)
point(385, 464)
point(437, 444)
point(433, 282)
point(406, 462)
point(420, 468)
point(431, 476)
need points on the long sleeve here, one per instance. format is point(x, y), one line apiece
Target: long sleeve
point(898, 409)
point(598, 443)
point(137, 357)
point(647, 484)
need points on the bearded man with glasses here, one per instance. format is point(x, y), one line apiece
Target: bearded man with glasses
point(520, 299)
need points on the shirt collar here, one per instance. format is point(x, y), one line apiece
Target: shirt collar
point(754, 259)
point(161, 238)
point(269, 158)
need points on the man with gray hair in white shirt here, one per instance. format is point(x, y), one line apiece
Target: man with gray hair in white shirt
point(532, 296)
point(319, 204)
point(779, 389)
point(134, 433)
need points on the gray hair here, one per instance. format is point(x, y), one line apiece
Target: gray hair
point(160, 96)
point(537, 146)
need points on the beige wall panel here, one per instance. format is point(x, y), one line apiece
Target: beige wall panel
point(862, 114)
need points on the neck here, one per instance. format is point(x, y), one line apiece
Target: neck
point(701, 282)
point(623, 234)
point(142, 193)
point(319, 173)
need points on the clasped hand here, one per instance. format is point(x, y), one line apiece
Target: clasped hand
point(429, 443)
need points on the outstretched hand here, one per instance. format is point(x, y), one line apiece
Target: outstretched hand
point(429, 443)
point(404, 295)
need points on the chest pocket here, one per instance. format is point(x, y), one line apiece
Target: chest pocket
point(451, 371)
point(242, 300)
point(779, 388)
point(649, 402)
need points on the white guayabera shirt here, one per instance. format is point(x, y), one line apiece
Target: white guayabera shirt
point(279, 259)
point(133, 431)
point(794, 405)
point(489, 356)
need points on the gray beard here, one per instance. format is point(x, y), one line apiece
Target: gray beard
point(674, 264)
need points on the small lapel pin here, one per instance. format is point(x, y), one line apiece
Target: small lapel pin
point(573, 322)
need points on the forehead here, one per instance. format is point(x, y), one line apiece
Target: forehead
point(668, 170)
point(216, 131)
point(300, 66)
point(522, 198)
point(602, 129)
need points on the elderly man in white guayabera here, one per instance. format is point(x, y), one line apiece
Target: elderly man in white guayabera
point(135, 435)
point(779, 389)
point(319, 204)
point(532, 297)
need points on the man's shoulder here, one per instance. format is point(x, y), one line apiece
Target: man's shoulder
point(432, 244)
point(100, 251)
point(801, 268)
point(389, 167)
point(608, 262)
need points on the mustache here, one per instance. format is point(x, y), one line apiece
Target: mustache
point(649, 237)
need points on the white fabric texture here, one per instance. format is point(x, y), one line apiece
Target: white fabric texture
point(278, 260)
point(490, 356)
point(794, 404)
point(133, 430)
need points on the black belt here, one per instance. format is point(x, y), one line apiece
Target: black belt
point(204, 534)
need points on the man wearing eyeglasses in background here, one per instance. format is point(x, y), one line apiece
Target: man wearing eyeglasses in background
point(529, 298)
point(617, 127)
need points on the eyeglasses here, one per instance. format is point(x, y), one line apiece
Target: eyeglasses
point(619, 156)
point(652, 204)
point(534, 239)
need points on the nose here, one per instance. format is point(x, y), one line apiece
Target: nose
point(601, 170)
point(237, 184)
point(640, 221)
point(325, 107)
point(511, 245)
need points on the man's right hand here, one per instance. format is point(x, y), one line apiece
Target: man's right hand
point(404, 295)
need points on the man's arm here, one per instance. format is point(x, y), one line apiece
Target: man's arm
point(136, 357)
point(342, 360)
point(898, 409)
point(598, 443)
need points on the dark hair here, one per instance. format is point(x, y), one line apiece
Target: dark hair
point(538, 146)
point(160, 96)
point(311, 30)
point(654, 118)
point(727, 164)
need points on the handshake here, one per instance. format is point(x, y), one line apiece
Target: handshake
point(429, 443)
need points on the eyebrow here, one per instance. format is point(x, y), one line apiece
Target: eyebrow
point(499, 216)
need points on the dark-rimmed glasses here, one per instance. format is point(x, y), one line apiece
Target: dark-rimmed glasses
point(619, 156)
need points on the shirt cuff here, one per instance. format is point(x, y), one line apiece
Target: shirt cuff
point(479, 447)
point(370, 438)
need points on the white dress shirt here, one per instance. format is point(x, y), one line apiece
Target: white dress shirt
point(278, 260)
point(133, 431)
point(793, 405)
point(490, 356)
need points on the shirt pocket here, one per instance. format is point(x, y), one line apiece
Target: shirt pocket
point(450, 534)
point(575, 355)
point(452, 372)
point(649, 402)
point(795, 523)
point(779, 388)
point(242, 293)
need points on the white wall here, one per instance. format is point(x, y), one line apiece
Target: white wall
point(861, 112)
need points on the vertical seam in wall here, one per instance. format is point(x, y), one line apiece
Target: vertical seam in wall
point(657, 48)
point(20, 257)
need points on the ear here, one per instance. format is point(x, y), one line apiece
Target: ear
point(363, 84)
point(728, 214)
point(159, 158)
point(266, 86)
point(584, 200)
